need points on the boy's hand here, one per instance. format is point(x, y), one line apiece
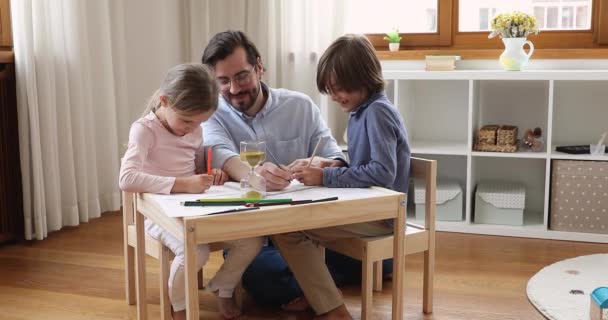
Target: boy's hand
point(219, 176)
point(193, 184)
point(310, 176)
point(316, 162)
point(276, 178)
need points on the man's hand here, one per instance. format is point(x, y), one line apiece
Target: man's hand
point(276, 178)
point(219, 176)
point(193, 184)
point(316, 162)
point(310, 176)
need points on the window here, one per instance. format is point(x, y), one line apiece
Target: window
point(380, 16)
point(420, 20)
point(464, 24)
point(551, 15)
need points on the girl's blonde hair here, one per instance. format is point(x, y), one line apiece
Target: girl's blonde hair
point(190, 87)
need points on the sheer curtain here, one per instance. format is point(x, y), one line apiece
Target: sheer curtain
point(84, 70)
point(291, 35)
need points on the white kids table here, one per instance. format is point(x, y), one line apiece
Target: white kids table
point(196, 225)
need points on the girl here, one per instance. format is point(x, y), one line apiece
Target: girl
point(165, 156)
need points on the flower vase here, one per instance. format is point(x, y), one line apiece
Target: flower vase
point(514, 58)
point(393, 46)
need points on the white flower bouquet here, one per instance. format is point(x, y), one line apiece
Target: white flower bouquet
point(513, 25)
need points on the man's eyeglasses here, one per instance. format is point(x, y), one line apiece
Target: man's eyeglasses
point(242, 78)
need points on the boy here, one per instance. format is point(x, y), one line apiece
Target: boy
point(350, 73)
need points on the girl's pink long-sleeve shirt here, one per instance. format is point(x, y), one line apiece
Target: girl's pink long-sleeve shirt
point(155, 157)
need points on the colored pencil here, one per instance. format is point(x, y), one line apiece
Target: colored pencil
point(314, 152)
point(216, 200)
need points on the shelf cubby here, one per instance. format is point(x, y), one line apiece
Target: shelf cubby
point(443, 110)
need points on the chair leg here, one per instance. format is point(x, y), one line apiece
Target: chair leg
point(378, 275)
point(165, 303)
point(201, 285)
point(129, 252)
point(130, 273)
point(366, 286)
point(427, 289)
point(140, 267)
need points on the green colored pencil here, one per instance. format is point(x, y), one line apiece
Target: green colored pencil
point(242, 200)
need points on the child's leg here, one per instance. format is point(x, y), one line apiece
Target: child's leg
point(177, 289)
point(240, 254)
point(177, 281)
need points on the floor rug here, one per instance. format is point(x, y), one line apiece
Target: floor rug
point(562, 290)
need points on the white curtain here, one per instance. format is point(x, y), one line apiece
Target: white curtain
point(86, 68)
point(290, 35)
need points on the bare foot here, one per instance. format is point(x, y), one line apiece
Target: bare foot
point(297, 304)
point(228, 308)
point(339, 313)
point(178, 315)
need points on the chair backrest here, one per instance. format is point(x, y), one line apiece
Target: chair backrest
point(426, 170)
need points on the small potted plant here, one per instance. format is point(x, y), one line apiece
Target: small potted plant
point(393, 39)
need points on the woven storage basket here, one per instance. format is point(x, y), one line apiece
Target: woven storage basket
point(506, 135)
point(495, 147)
point(487, 134)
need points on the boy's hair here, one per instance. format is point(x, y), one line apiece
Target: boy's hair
point(353, 61)
point(190, 87)
point(224, 43)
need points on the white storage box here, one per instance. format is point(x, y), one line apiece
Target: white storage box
point(500, 203)
point(448, 200)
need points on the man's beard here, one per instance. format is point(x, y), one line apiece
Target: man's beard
point(244, 105)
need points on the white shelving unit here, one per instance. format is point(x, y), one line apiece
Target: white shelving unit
point(444, 110)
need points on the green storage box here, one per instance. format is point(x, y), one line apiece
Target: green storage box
point(500, 203)
point(448, 200)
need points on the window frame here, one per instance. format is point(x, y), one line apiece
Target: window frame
point(6, 40)
point(448, 37)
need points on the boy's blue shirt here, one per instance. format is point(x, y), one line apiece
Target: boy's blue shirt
point(378, 148)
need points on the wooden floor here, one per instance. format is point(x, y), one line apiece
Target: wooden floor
point(77, 273)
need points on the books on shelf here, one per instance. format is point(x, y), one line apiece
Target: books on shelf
point(441, 63)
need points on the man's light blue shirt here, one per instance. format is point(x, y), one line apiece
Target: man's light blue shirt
point(290, 123)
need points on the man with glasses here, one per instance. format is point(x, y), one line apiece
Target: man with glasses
point(288, 121)
point(291, 125)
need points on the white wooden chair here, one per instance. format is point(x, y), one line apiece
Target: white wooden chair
point(372, 250)
point(153, 248)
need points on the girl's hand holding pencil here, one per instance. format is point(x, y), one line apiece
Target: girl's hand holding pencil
point(219, 176)
point(193, 184)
